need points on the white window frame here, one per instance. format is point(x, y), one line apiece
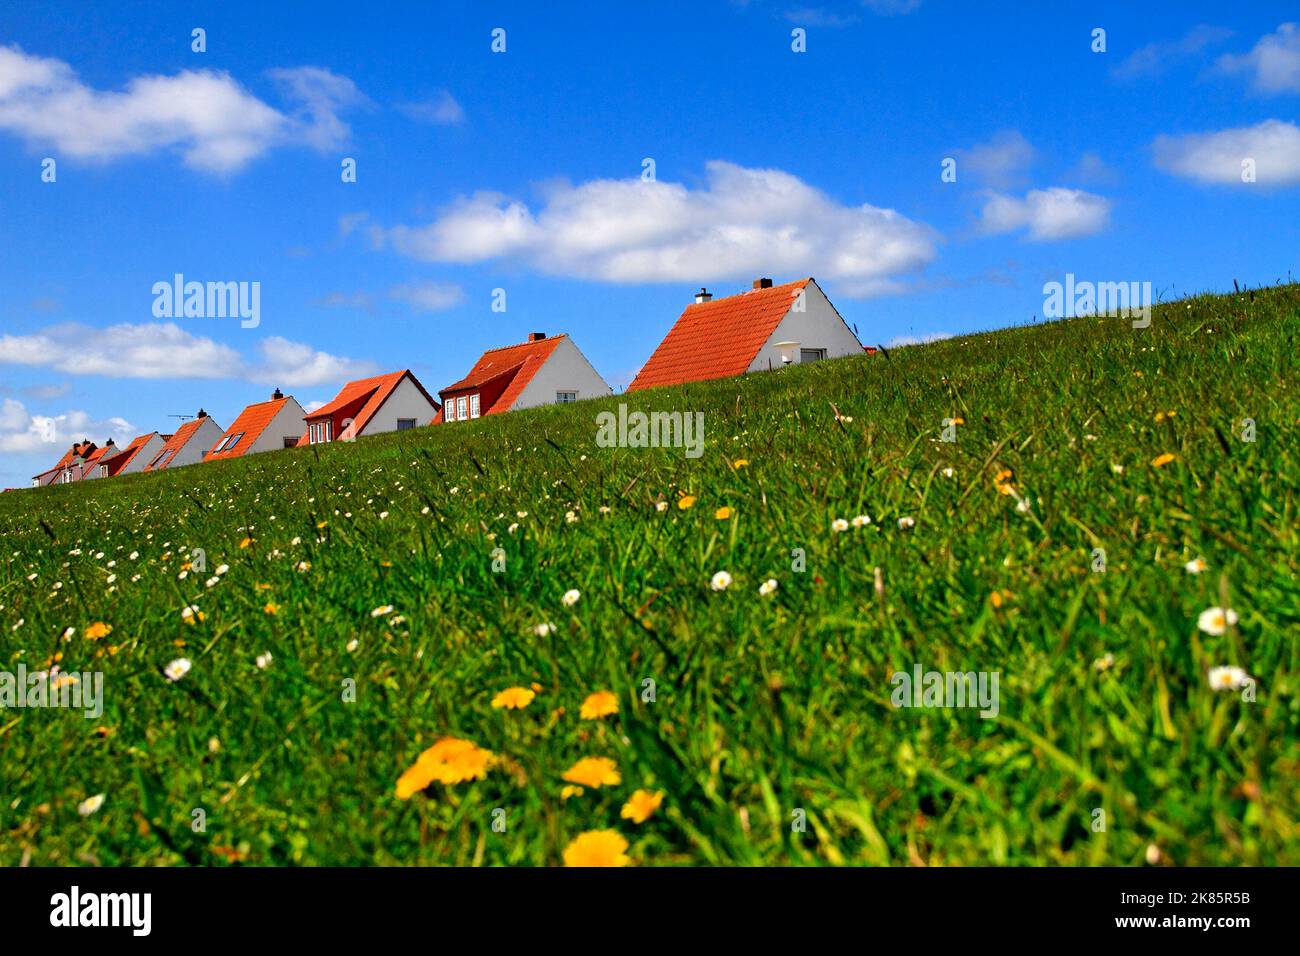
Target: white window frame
point(562, 400)
point(473, 405)
point(449, 410)
point(820, 355)
point(461, 409)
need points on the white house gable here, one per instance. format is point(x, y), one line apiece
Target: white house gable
point(565, 376)
point(818, 330)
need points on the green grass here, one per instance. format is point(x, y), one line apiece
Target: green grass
point(764, 705)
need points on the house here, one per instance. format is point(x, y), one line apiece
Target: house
point(766, 327)
point(386, 403)
point(68, 467)
point(135, 456)
point(541, 371)
point(188, 444)
point(96, 460)
point(264, 426)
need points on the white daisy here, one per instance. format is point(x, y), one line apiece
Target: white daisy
point(905, 522)
point(382, 610)
point(767, 587)
point(570, 598)
point(1216, 620)
point(839, 524)
point(721, 581)
point(177, 669)
point(90, 804)
point(1195, 566)
point(1228, 678)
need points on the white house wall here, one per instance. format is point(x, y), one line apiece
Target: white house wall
point(201, 441)
point(819, 326)
point(405, 401)
point(145, 455)
point(287, 423)
point(567, 370)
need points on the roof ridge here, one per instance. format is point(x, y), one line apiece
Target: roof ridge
point(502, 348)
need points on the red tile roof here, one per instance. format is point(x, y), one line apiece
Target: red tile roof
point(719, 338)
point(373, 391)
point(177, 441)
point(78, 450)
point(520, 362)
point(252, 421)
point(118, 462)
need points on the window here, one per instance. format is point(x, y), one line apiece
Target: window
point(566, 396)
point(404, 423)
point(103, 471)
point(291, 441)
point(230, 442)
point(460, 408)
point(449, 410)
point(811, 355)
point(473, 405)
point(320, 432)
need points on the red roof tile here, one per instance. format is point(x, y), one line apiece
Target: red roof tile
point(520, 362)
point(252, 421)
point(719, 338)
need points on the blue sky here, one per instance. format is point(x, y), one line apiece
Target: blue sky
point(523, 171)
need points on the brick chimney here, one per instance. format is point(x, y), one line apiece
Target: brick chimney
point(277, 395)
point(536, 336)
point(704, 295)
point(201, 414)
point(763, 283)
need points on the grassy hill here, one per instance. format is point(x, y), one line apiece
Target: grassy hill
point(768, 709)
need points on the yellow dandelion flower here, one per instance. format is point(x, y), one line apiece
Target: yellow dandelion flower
point(1003, 482)
point(597, 705)
point(594, 772)
point(740, 463)
point(514, 698)
point(246, 543)
point(723, 513)
point(597, 848)
point(571, 791)
point(1161, 460)
point(271, 608)
point(685, 501)
point(957, 420)
point(450, 760)
point(97, 630)
point(641, 805)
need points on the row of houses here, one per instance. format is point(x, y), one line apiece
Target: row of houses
point(765, 327)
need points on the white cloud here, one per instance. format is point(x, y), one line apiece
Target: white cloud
point(1273, 63)
point(429, 296)
point(741, 223)
point(1155, 58)
point(819, 17)
point(442, 110)
point(1048, 214)
point(295, 364)
point(900, 341)
point(216, 124)
point(998, 162)
point(22, 432)
point(1218, 157)
point(163, 350)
